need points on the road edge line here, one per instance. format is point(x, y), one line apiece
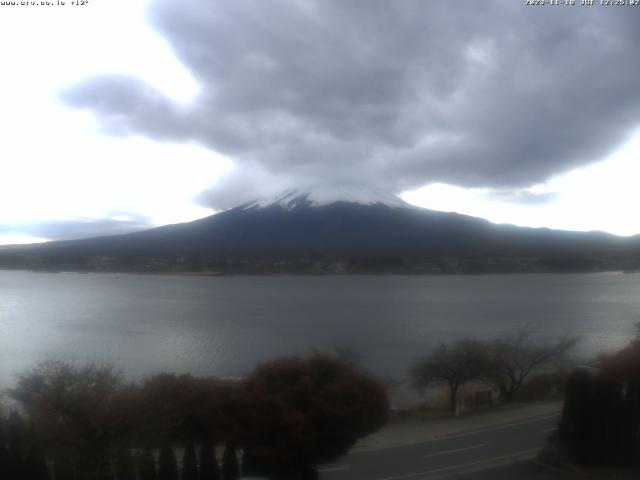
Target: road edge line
point(456, 434)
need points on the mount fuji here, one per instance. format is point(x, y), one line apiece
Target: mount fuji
point(334, 228)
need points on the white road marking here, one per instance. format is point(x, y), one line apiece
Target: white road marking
point(457, 435)
point(456, 450)
point(458, 468)
point(498, 427)
point(333, 469)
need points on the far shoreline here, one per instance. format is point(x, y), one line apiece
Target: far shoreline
point(213, 273)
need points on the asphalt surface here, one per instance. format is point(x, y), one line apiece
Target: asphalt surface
point(461, 454)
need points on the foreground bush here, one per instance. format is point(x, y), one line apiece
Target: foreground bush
point(287, 416)
point(305, 412)
point(183, 408)
point(75, 412)
point(600, 422)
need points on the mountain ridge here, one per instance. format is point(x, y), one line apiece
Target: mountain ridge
point(339, 229)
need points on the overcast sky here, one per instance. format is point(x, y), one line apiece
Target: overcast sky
point(124, 114)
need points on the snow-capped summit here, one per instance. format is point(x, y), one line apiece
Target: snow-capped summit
point(326, 194)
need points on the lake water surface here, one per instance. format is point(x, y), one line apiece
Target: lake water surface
point(224, 325)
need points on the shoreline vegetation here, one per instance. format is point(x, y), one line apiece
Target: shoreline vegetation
point(291, 414)
point(284, 418)
point(323, 266)
point(86, 422)
point(311, 274)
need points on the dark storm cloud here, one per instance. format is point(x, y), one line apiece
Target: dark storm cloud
point(394, 93)
point(78, 228)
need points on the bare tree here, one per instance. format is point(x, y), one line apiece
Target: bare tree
point(80, 409)
point(517, 356)
point(453, 365)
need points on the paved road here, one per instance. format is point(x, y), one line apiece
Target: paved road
point(446, 456)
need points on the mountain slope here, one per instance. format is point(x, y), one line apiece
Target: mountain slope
point(331, 224)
